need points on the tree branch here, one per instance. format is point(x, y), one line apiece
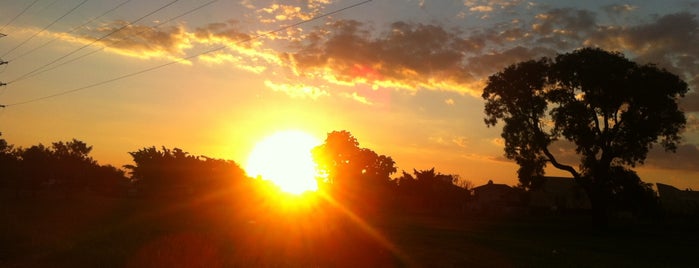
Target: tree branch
point(560, 166)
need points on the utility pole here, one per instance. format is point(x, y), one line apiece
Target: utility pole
point(1, 63)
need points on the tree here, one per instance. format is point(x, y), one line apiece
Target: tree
point(431, 191)
point(72, 166)
point(36, 167)
point(610, 109)
point(9, 164)
point(177, 172)
point(354, 174)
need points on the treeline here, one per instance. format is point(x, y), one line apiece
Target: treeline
point(61, 166)
point(356, 177)
point(361, 179)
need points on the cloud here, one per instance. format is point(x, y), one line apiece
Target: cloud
point(414, 56)
point(686, 158)
point(488, 63)
point(618, 9)
point(223, 33)
point(238, 48)
point(674, 32)
point(672, 41)
point(460, 141)
point(562, 28)
point(285, 12)
point(499, 142)
point(484, 9)
point(277, 13)
point(356, 97)
point(408, 56)
point(138, 40)
point(297, 90)
point(491, 4)
point(690, 103)
point(447, 140)
point(242, 50)
point(692, 122)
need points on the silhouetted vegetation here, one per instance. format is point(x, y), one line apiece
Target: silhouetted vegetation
point(428, 191)
point(177, 173)
point(60, 208)
point(357, 177)
point(63, 166)
point(172, 208)
point(611, 109)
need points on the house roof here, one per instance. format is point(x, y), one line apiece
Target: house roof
point(492, 186)
point(669, 191)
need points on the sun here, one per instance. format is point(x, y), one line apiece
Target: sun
point(285, 159)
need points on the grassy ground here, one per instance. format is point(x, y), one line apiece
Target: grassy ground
point(95, 231)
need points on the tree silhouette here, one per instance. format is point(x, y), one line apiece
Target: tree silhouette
point(71, 164)
point(65, 166)
point(35, 168)
point(176, 172)
point(9, 164)
point(611, 109)
point(354, 174)
point(430, 191)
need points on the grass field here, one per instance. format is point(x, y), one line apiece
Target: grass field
point(95, 231)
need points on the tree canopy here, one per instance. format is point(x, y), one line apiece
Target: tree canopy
point(177, 172)
point(612, 110)
point(341, 158)
point(353, 174)
point(67, 166)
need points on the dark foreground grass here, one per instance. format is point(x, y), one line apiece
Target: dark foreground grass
point(94, 231)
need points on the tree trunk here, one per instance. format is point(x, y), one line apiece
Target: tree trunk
point(599, 194)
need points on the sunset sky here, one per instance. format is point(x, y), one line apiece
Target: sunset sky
point(403, 76)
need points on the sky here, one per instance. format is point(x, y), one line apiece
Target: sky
point(403, 76)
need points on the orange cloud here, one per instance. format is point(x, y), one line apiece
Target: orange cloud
point(224, 33)
point(140, 41)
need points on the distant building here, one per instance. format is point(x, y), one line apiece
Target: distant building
point(678, 202)
point(495, 198)
point(559, 194)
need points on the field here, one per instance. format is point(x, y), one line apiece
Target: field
point(49, 230)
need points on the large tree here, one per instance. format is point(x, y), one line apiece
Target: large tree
point(354, 174)
point(612, 110)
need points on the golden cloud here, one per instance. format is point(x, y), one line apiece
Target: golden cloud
point(140, 41)
point(356, 97)
point(484, 9)
point(276, 13)
point(297, 90)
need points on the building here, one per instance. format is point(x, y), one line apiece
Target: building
point(678, 202)
point(492, 198)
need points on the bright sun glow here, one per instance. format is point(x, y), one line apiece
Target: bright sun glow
point(285, 159)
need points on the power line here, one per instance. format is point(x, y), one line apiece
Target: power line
point(31, 73)
point(72, 30)
point(20, 14)
point(113, 43)
point(44, 29)
point(186, 58)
